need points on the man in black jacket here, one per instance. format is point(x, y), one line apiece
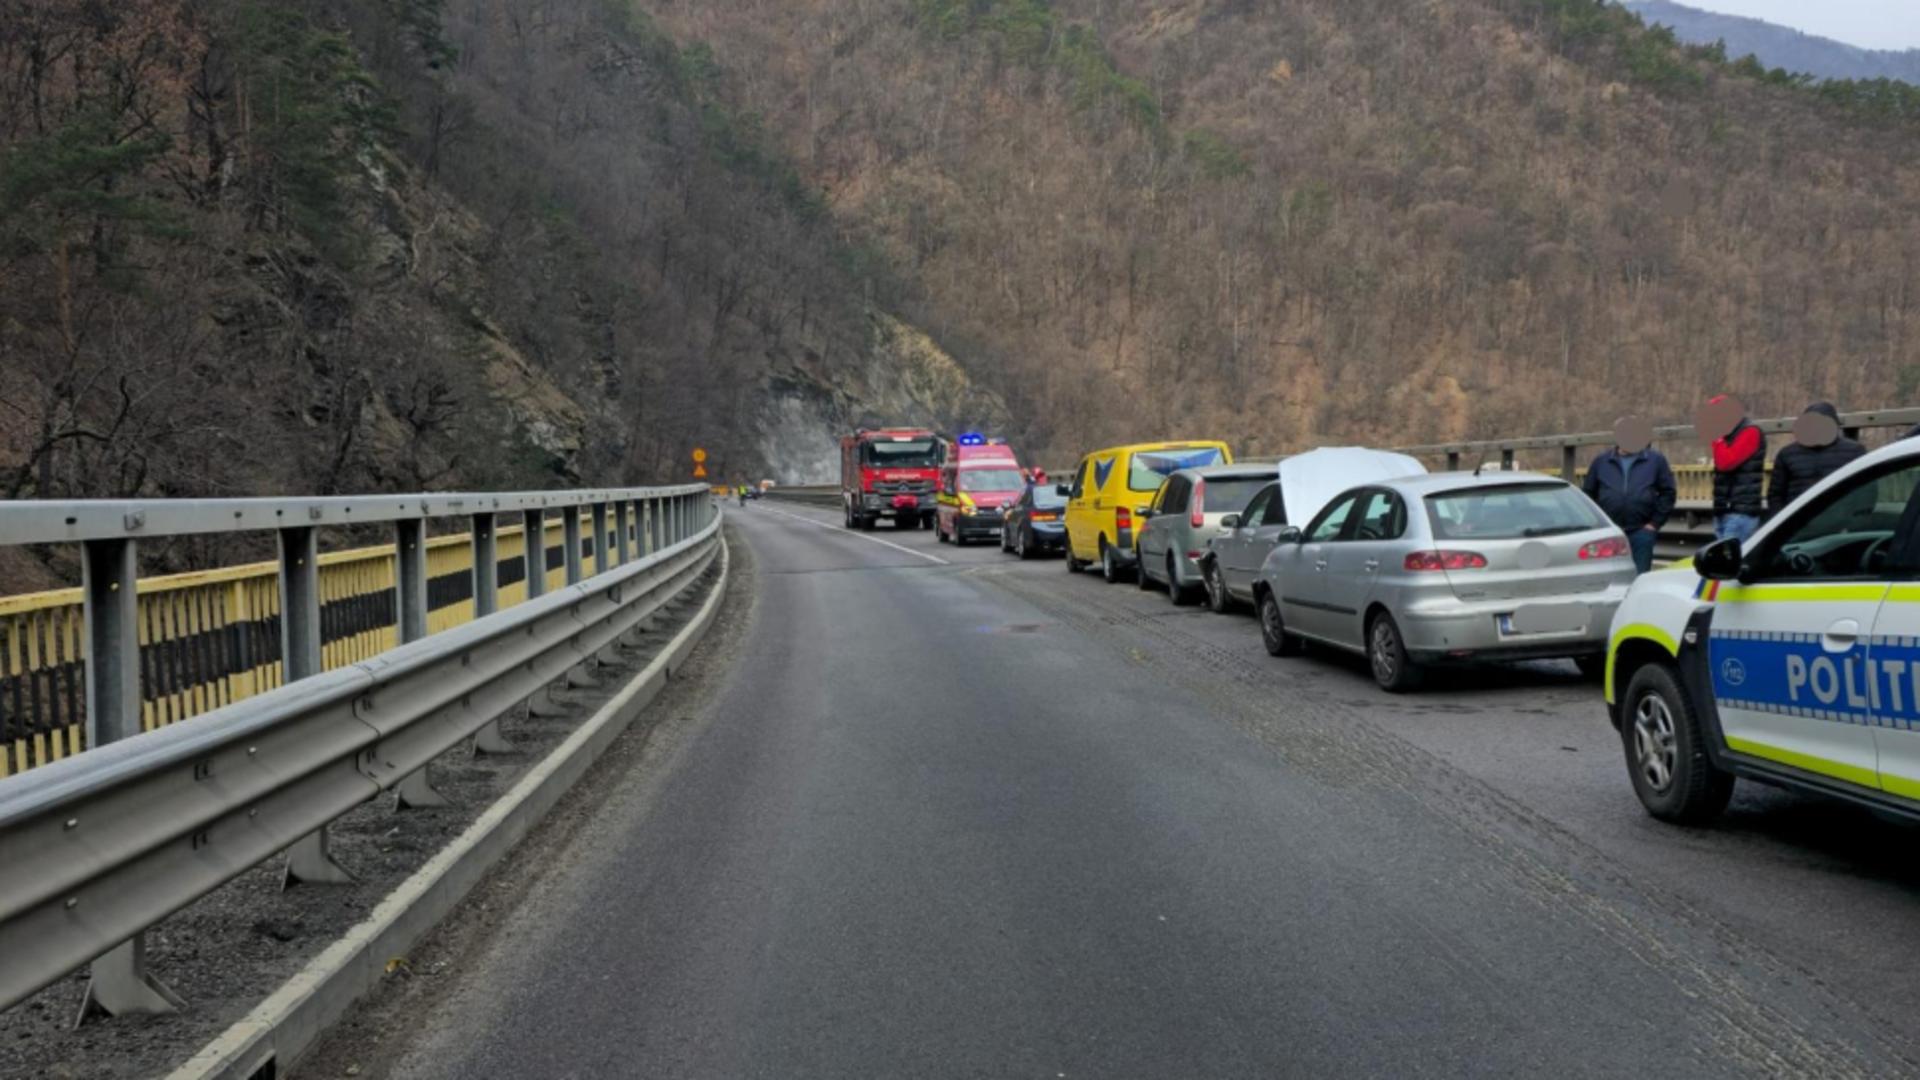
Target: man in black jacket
point(1817, 452)
point(1633, 485)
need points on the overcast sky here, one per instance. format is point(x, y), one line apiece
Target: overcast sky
point(1872, 24)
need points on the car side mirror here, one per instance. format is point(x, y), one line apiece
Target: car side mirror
point(1291, 534)
point(1231, 521)
point(1063, 490)
point(1148, 513)
point(1723, 560)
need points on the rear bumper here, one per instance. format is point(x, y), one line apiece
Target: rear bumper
point(1046, 535)
point(1472, 631)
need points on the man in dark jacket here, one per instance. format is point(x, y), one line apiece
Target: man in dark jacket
point(1818, 450)
point(1633, 485)
point(1739, 473)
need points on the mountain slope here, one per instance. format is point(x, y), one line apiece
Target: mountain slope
point(1780, 46)
point(253, 246)
point(1341, 219)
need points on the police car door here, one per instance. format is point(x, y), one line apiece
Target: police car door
point(1789, 652)
point(1895, 649)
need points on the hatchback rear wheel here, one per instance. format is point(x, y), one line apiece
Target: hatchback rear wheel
point(1393, 669)
point(1218, 601)
point(1181, 595)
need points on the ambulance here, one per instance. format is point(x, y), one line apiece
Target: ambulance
point(1792, 659)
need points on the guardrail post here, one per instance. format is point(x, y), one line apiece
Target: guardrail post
point(486, 601)
point(602, 547)
point(1568, 466)
point(1506, 459)
point(410, 611)
point(1453, 461)
point(118, 981)
point(570, 529)
point(623, 553)
point(309, 859)
point(535, 526)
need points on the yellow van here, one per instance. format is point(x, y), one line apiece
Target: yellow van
point(1111, 487)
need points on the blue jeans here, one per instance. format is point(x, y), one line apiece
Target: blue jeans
point(1641, 541)
point(1740, 525)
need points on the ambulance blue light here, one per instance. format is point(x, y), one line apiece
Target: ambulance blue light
point(973, 438)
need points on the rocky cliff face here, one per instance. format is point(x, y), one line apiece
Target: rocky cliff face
point(901, 377)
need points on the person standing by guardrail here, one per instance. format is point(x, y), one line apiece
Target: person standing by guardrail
point(1739, 466)
point(1633, 485)
point(1817, 451)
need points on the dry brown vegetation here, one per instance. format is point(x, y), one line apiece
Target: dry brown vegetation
point(1304, 220)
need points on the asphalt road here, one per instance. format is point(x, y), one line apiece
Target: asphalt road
point(951, 814)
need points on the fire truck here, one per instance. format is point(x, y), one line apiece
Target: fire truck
point(890, 473)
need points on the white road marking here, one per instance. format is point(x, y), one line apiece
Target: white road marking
point(858, 535)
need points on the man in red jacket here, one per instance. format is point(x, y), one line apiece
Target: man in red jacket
point(1739, 467)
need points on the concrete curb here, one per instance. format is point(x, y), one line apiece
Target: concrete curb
point(273, 1036)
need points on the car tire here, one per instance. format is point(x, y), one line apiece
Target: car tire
point(1141, 579)
point(1666, 750)
point(1181, 595)
point(1219, 601)
point(1387, 657)
point(1273, 628)
point(1020, 548)
point(846, 513)
point(1110, 570)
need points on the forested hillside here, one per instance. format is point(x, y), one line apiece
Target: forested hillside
point(1780, 46)
point(1345, 219)
point(250, 246)
point(338, 245)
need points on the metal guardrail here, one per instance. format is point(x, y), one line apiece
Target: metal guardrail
point(101, 845)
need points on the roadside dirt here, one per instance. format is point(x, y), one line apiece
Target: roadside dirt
point(233, 947)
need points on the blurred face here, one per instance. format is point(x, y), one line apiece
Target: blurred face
point(1716, 419)
point(1814, 430)
point(1632, 434)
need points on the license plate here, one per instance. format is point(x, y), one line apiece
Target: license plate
point(1545, 619)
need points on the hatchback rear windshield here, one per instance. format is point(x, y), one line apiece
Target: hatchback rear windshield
point(1152, 467)
point(1230, 496)
point(911, 454)
point(991, 480)
point(1511, 512)
point(1048, 497)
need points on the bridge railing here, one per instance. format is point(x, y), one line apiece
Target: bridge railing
point(98, 846)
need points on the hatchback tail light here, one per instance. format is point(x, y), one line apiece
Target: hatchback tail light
point(1613, 547)
point(1199, 504)
point(1421, 561)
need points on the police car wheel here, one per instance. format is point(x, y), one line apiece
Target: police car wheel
point(1667, 752)
point(1393, 669)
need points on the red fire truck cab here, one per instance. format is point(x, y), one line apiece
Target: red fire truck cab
point(890, 473)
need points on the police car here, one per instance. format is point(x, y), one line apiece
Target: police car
point(1793, 659)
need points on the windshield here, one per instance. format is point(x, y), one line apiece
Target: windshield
point(1230, 495)
point(907, 454)
point(1151, 467)
point(991, 480)
point(1512, 512)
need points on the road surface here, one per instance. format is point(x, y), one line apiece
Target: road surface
point(954, 815)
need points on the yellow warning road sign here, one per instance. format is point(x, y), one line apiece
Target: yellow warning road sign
point(699, 456)
point(699, 472)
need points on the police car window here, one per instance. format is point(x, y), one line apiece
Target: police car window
point(1331, 520)
point(1860, 529)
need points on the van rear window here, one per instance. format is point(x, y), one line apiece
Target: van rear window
point(1151, 468)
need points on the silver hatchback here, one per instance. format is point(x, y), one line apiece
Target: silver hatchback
point(1449, 568)
point(1187, 513)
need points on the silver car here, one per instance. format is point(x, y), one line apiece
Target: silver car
point(1447, 569)
point(1187, 513)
